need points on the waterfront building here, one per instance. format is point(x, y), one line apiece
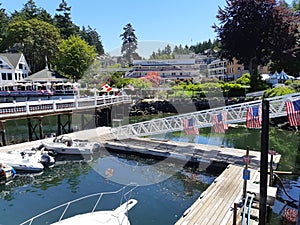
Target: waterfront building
point(171, 69)
point(217, 69)
point(13, 68)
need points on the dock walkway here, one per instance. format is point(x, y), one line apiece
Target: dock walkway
point(215, 205)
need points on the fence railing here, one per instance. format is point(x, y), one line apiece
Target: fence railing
point(8, 110)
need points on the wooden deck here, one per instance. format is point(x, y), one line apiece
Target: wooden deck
point(215, 205)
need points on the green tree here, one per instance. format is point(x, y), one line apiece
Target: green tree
point(256, 31)
point(4, 20)
point(31, 11)
point(74, 57)
point(35, 39)
point(130, 43)
point(92, 37)
point(296, 5)
point(63, 21)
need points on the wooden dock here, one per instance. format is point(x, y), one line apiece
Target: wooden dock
point(215, 205)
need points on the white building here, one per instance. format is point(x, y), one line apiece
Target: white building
point(13, 68)
point(217, 69)
point(167, 69)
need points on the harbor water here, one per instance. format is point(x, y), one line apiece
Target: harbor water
point(160, 201)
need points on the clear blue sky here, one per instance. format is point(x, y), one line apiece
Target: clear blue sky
point(155, 21)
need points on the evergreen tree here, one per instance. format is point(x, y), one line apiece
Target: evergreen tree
point(92, 38)
point(63, 21)
point(31, 11)
point(4, 20)
point(130, 44)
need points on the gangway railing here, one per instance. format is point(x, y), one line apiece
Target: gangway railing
point(251, 197)
point(31, 108)
point(235, 114)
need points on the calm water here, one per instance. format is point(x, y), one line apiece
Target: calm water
point(158, 203)
point(162, 201)
point(286, 143)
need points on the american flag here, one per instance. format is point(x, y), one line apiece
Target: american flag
point(253, 117)
point(189, 126)
point(293, 112)
point(218, 122)
point(106, 87)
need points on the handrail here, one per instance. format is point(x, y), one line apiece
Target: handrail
point(244, 209)
point(67, 204)
point(249, 208)
point(235, 114)
point(251, 196)
point(17, 109)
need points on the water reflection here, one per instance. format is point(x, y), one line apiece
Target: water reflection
point(160, 203)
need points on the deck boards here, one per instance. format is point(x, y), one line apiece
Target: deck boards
point(216, 207)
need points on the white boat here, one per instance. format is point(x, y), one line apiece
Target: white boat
point(6, 173)
point(118, 216)
point(27, 160)
point(112, 217)
point(66, 145)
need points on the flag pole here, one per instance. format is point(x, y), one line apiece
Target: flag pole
point(264, 163)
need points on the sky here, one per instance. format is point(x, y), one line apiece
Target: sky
point(156, 22)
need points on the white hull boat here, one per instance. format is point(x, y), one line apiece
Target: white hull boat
point(27, 161)
point(6, 173)
point(66, 145)
point(113, 217)
point(118, 216)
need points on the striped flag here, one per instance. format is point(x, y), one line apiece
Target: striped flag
point(189, 126)
point(218, 122)
point(293, 112)
point(106, 87)
point(253, 117)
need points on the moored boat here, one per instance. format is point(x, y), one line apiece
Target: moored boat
point(66, 145)
point(27, 160)
point(6, 173)
point(118, 216)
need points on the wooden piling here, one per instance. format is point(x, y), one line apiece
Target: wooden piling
point(3, 132)
point(41, 131)
point(29, 129)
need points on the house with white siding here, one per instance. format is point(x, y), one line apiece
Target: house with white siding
point(13, 68)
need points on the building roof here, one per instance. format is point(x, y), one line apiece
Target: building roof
point(12, 58)
point(46, 75)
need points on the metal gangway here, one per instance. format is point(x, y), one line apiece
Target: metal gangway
point(235, 114)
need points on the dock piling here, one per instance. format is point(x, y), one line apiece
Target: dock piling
point(264, 162)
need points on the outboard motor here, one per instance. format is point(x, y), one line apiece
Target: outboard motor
point(96, 147)
point(46, 160)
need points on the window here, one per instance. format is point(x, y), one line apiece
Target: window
point(16, 76)
point(9, 76)
point(20, 66)
point(3, 75)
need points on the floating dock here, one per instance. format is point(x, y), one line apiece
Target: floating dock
point(214, 206)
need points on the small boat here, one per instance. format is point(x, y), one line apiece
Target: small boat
point(66, 145)
point(6, 173)
point(27, 160)
point(118, 216)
